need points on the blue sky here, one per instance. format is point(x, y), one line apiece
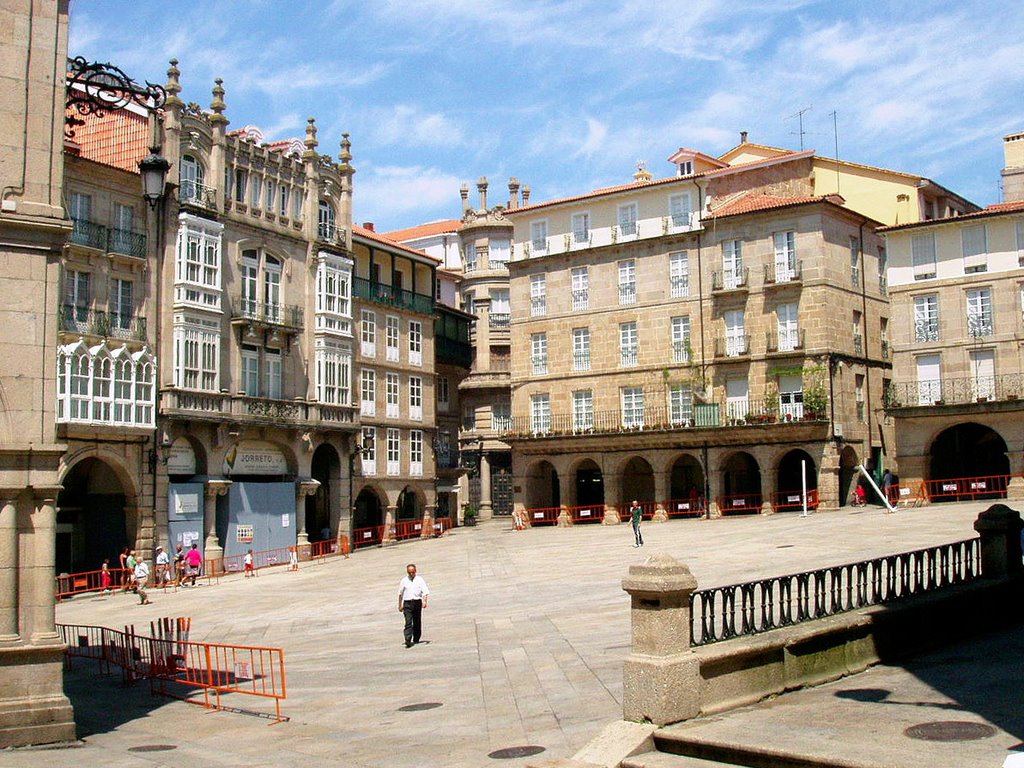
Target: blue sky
point(568, 96)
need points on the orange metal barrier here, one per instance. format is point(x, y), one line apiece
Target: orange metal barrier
point(367, 537)
point(320, 550)
point(907, 495)
point(90, 581)
point(545, 516)
point(587, 513)
point(967, 488)
point(408, 529)
point(787, 501)
point(647, 510)
point(442, 525)
point(691, 507)
point(740, 504)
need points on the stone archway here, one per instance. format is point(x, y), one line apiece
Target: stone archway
point(848, 462)
point(686, 483)
point(741, 485)
point(409, 505)
point(969, 450)
point(321, 507)
point(794, 467)
point(588, 484)
point(542, 486)
point(91, 522)
point(369, 510)
point(637, 482)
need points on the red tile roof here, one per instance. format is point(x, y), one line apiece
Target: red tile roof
point(996, 209)
point(119, 139)
point(424, 230)
point(752, 201)
point(369, 234)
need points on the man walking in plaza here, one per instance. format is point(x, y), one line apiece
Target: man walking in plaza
point(635, 515)
point(412, 599)
point(141, 579)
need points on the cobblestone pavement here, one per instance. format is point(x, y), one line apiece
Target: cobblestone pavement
point(525, 637)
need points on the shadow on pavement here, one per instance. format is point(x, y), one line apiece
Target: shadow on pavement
point(103, 703)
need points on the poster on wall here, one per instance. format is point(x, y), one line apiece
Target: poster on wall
point(252, 457)
point(286, 520)
point(185, 504)
point(188, 538)
point(244, 534)
point(181, 459)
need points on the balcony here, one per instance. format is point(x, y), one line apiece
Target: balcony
point(926, 330)
point(886, 350)
point(858, 344)
point(733, 346)
point(580, 299)
point(538, 306)
point(784, 342)
point(499, 320)
point(679, 286)
point(107, 325)
point(220, 406)
point(330, 234)
point(390, 296)
point(1007, 387)
point(453, 351)
point(782, 274)
point(89, 234)
point(728, 282)
point(598, 237)
point(680, 351)
point(196, 195)
point(581, 361)
point(126, 243)
point(260, 314)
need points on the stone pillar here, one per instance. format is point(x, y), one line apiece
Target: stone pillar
point(661, 677)
point(388, 536)
point(660, 496)
point(212, 550)
point(486, 511)
point(428, 521)
point(1015, 490)
point(769, 482)
point(999, 527)
point(44, 545)
point(715, 489)
point(9, 572)
point(303, 489)
point(612, 498)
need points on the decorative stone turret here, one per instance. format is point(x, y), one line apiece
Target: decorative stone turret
point(481, 187)
point(513, 193)
point(310, 141)
point(217, 106)
point(346, 171)
point(173, 86)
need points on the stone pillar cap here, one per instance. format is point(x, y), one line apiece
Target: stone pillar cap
point(659, 573)
point(999, 517)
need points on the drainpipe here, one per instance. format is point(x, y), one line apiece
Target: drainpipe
point(864, 334)
point(700, 292)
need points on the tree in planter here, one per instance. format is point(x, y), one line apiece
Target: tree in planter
point(771, 402)
point(468, 514)
point(815, 396)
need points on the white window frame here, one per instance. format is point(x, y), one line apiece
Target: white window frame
point(632, 404)
point(539, 236)
point(580, 286)
point(539, 353)
point(627, 281)
point(627, 217)
point(334, 294)
point(680, 404)
point(787, 321)
point(196, 354)
point(540, 413)
point(538, 296)
point(926, 318)
point(273, 364)
point(680, 209)
point(369, 452)
point(394, 451)
point(501, 416)
point(391, 334)
point(250, 370)
point(580, 224)
point(443, 402)
point(785, 255)
point(735, 333)
point(732, 264)
point(367, 333)
point(416, 398)
point(680, 339)
point(333, 372)
point(499, 252)
point(368, 392)
point(469, 257)
point(923, 255)
point(974, 246)
point(582, 410)
point(581, 349)
point(629, 345)
point(392, 403)
point(980, 321)
point(416, 452)
point(679, 274)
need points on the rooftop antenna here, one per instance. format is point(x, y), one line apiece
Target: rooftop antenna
point(835, 132)
point(800, 116)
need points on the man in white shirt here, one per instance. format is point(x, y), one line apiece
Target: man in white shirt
point(163, 566)
point(412, 599)
point(141, 577)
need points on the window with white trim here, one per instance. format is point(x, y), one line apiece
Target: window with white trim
point(274, 373)
point(854, 261)
point(469, 256)
point(416, 398)
point(394, 451)
point(974, 242)
point(681, 339)
point(581, 349)
point(102, 388)
point(539, 236)
point(791, 397)
point(369, 452)
point(926, 317)
point(391, 338)
point(333, 372)
point(298, 200)
point(415, 342)
point(539, 353)
point(979, 313)
point(627, 218)
point(283, 201)
point(788, 327)
point(391, 395)
point(368, 333)
point(255, 192)
point(241, 181)
point(923, 255)
point(540, 413)
point(501, 417)
point(582, 410)
point(629, 345)
point(785, 256)
point(627, 281)
point(735, 333)
point(499, 251)
point(334, 294)
point(632, 399)
point(733, 274)
point(77, 298)
point(124, 400)
point(581, 228)
point(368, 392)
point(679, 209)
point(580, 288)
point(538, 296)
point(680, 405)
point(679, 274)
point(250, 370)
point(416, 452)
point(442, 394)
point(121, 306)
point(197, 270)
point(96, 386)
point(197, 354)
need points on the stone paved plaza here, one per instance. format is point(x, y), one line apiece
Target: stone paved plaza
point(527, 633)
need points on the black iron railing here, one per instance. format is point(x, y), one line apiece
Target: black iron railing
point(721, 613)
point(194, 193)
point(89, 234)
point(126, 243)
point(271, 313)
point(391, 296)
point(782, 273)
point(730, 281)
point(95, 322)
point(972, 389)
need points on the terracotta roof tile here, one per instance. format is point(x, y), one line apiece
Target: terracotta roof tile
point(369, 234)
point(119, 139)
point(424, 230)
point(995, 209)
point(753, 201)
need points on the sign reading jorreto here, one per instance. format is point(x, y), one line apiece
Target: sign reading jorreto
point(251, 457)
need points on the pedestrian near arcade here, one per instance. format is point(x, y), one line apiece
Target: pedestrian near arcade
point(193, 563)
point(636, 515)
point(105, 579)
point(412, 599)
point(179, 565)
point(130, 563)
point(249, 570)
point(163, 566)
point(141, 580)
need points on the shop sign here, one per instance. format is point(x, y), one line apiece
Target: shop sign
point(181, 459)
point(255, 458)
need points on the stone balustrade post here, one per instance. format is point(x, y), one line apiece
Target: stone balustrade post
point(213, 552)
point(303, 489)
point(999, 528)
point(9, 582)
point(662, 674)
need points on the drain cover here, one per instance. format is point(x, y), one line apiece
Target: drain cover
point(950, 730)
point(421, 706)
point(153, 748)
point(510, 753)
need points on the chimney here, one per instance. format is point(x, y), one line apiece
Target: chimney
point(368, 225)
point(481, 187)
point(464, 194)
point(1013, 167)
point(743, 137)
point(526, 195)
point(513, 193)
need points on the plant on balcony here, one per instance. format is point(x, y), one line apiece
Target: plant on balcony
point(815, 396)
point(468, 514)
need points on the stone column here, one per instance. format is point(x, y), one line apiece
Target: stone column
point(212, 550)
point(999, 527)
point(612, 497)
point(661, 677)
point(9, 634)
point(388, 536)
point(660, 496)
point(715, 489)
point(1015, 490)
point(486, 511)
point(40, 612)
point(769, 481)
point(304, 488)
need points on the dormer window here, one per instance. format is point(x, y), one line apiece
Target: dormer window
point(685, 167)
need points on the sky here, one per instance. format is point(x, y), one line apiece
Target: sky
point(568, 96)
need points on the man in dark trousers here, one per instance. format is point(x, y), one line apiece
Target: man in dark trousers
point(412, 599)
point(636, 514)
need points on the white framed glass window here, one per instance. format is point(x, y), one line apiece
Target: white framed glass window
point(679, 209)
point(538, 296)
point(190, 177)
point(77, 296)
point(255, 192)
point(580, 288)
point(501, 417)
point(1020, 242)
point(582, 410)
point(632, 399)
point(983, 373)
point(124, 400)
point(680, 405)
point(733, 275)
point(272, 364)
point(326, 221)
point(926, 317)
point(333, 372)
point(102, 388)
point(788, 327)
point(416, 398)
point(249, 271)
point(785, 256)
point(501, 308)
point(197, 262)
point(929, 379)
point(298, 198)
point(369, 453)
point(540, 413)
point(679, 274)
point(391, 401)
point(791, 397)
point(80, 211)
point(499, 251)
point(681, 339)
point(539, 353)
point(416, 452)
point(629, 345)
point(974, 243)
point(858, 332)
point(368, 392)
point(394, 449)
point(442, 394)
point(272, 288)
point(283, 201)
point(197, 354)
point(391, 338)
point(334, 294)
point(923, 255)
point(121, 236)
point(581, 349)
point(469, 256)
point(581, 228)
point(250, 370)
point(735, 333)
point(80, 387)
point(979, 312)
point(368, 333)
point(737, 399)
point(121, 306)
point(627, 218)
point(854, 261)
point(539, 236)
point(145, 392)
point(627, 281)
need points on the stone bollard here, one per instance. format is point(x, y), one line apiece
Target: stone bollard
point(999, 527)
point(661, 677)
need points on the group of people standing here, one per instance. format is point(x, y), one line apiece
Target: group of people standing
point(135, 572)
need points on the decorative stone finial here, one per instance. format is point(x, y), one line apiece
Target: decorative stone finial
point(526, 194)
point(217, 106)
point(642, 174)
point(464, 194)
point(513, 192)
point(481, 187)
point(311, 142)
point(173, 86)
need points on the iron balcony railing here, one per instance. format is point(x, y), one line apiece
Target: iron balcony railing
point(580, 299)
point(784, 341)
point(886, 350)
point(193, 193)
point(581, 361)
point(94, 322)
point(960, 391)
point(499, 320)
point(926, 329)
point(775, 274)
point(216, 405)
point(88, 233)
point(737, 610)
point(392, 297)
point(126, 243)
point(732, 346)
point(330, 233)
point(858, 344)
point(538, 306)
point(730, 281)
point(680, 352)
point(679, 286)
point(270, 313)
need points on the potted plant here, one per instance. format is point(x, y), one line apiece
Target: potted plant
point(468, 514)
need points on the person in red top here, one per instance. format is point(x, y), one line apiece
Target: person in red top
point(194, 563)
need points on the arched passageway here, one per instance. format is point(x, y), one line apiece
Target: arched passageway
point(320, 507)
point(686, 478)
point(91, 521)
point(589, 484)
point(796, 468)
point(409, 506)
point(968, 451)
point(542, 489)
point(637, 481)
point(741, 485)
point(847, 474)
point(369, 511)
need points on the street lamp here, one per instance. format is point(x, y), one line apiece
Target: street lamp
point(154, 168)
point(357, 449)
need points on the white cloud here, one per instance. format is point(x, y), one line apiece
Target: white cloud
point(393, 195)
point(596, 133)
point(408, 124)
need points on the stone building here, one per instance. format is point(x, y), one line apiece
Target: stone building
point(706, 342)
point(957, 292)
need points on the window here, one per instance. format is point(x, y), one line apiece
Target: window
point(582, 410)
point(580, 288)
point(685, 167)
point(883, 332)
point(679, 274)
point(469, 256)
point(77, 292)
point(197, 355)
point(498, 253)
point(368, 392)
point(1020, 242)
point(416, 452)
point(334, 294)
point(680, 405)
point(627, 282)
point(788, 327)
point(791, 397)
point(123, 395)
point(297, 200)
point(80, 211)
point(272, 288)
point(983, 373)
point(858, 392)
point(539, 353)
point(540, 413)
point(394, 451)
point(272, 359)
point(369, 454)
point(391, 395)
point(81, 387)
point(191, 176)
point(416, 398)
point(735, 337)
point(501, 417)
point(975, 248)
point(145, 393)
point(632, 407)
point(679, 210)
point(979, 312)
point(737, 399)
point(271, 197)
point(121, 237)
point(926, 318)
point(929, 379)
point(255, 192)
point(855, 262)
point(333, 372)
point(241, 180)
point(391, 338)
point(538, 296)
point(250, 371)
point(326, 223)
point(627, 216)
point(102, 388)
point(923, 254)
point(732, 264)
point(681, 339)
point(785, 256)
point(283, 200)
point(581, 228)
point(197, 262)
point(368, 334)
point(883, 270)
point(581, 349)
point(539, 236)
point(442, 394)
point(629, 347)
point(249, 280)
point(858, 335)
point(500, 308)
